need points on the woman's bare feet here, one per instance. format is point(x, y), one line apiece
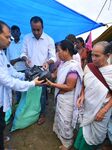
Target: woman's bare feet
point(41, 120)
point(63, 147)
point(60, 146)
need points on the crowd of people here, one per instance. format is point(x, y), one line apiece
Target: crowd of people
point(82, 82)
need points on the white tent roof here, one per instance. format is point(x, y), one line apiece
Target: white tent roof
point(91, 9)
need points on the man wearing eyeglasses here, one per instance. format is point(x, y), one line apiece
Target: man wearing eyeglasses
point(9, 79)
point(39, 49)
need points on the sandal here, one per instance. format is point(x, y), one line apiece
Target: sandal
point(6, 139)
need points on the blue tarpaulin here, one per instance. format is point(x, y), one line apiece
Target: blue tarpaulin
point(59, 21)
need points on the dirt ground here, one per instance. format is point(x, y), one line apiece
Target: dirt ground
point(37, 137)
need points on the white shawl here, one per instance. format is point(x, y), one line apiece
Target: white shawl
point(64, 69)
point(95, 97)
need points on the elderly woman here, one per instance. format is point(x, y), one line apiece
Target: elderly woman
point(68, 87)
point(97, 101)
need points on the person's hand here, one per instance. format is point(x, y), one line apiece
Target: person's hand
point(13, 62)
point(48, 82)
point(37, 82)
point(28, 63)
point(100, 115)
point(46, 66)
point(80, 101)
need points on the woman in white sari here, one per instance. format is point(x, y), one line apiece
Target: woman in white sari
point(97, 101)
point(68, 88)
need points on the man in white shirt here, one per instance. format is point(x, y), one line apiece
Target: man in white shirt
point(13, 55)
point(39, 49)
point(9, 79)
point(14, 50)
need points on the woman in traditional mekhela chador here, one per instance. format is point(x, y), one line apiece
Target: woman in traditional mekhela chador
point(68, 88)
point(97, 101)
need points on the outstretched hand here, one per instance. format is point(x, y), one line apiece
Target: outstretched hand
point(48, 82)
point(38, 82)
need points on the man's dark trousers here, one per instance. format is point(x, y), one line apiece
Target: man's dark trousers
point(2, 127)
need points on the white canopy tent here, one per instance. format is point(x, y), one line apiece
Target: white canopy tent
point(91, 9)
